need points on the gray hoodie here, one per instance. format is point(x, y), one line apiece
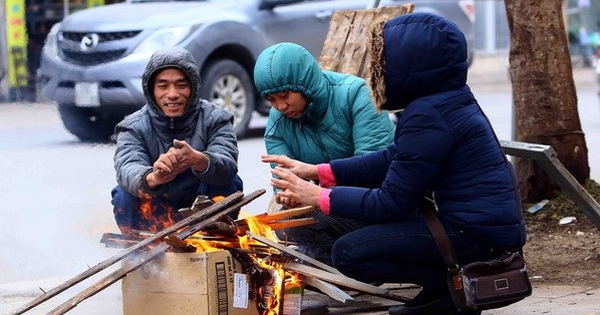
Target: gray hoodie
point(147, 133)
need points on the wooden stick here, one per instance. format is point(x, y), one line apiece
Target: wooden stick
point(110, 261)
point(145, 257)
point(286, 224)
point(284, 214)
point(294, 253)
point(343, 281)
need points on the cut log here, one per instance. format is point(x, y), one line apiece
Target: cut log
point(346, 44)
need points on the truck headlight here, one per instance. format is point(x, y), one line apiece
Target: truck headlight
point(166, 37)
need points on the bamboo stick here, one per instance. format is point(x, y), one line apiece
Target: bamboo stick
point(344, 281)
point(294, 253)
point(215, 214)
point(110, 261)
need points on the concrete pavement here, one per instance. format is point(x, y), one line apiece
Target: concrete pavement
point(489, 73)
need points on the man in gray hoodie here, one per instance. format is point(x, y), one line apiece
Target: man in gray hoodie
point(173, 149)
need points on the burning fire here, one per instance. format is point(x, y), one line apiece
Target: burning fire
point(152, 218)
point(262, 263)
point(270, 277)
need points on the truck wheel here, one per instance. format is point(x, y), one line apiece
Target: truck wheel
point(263, 107)
point(85, 124)
point(226, 83)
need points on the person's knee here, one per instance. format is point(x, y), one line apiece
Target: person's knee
point(344, 261)
point(238, 184)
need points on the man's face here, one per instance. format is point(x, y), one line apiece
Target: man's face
point(291, 104)
point(172, 91)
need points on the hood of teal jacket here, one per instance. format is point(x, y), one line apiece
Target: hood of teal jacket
point(290, 67)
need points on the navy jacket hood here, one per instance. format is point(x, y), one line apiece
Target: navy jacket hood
point(434, 59)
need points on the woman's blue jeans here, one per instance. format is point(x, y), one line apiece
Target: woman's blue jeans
point(154, 214)
point(405, 252)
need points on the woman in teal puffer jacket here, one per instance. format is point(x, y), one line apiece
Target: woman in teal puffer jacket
point(317, 116)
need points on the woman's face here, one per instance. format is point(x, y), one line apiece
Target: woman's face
point(291, 104)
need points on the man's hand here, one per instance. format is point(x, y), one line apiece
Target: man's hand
point(178, 159)
point(164, 169)
point(189, 157)
point(300, 169)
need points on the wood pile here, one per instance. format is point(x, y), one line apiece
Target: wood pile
point(210, 223)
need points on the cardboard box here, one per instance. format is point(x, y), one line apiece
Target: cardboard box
point(189, 283)
point(292, 299)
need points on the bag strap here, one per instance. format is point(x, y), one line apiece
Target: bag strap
point(439, 234)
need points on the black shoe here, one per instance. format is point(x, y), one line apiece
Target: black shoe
point(443, 306)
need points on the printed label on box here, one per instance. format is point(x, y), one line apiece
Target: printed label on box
point(240, 291)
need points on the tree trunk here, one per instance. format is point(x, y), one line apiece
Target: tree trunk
point(544, 96)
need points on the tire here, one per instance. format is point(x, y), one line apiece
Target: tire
point(263, 107)
point(226, 83)
point(86, 124)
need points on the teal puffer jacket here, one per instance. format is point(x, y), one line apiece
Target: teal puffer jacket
point(340, 120)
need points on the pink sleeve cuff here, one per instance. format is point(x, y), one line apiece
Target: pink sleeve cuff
point(326, 178)
point(324, 201)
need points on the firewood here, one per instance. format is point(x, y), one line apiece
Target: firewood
point(200, 220)
point(294, 253)
point(291, 223)
point(228, 203)
point(343, 281)
point(284, 214)
point(113, 240)
point(179, 245)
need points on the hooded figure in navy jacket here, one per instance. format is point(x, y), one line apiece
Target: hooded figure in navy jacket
point(443, 144)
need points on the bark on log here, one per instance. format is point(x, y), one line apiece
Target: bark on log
point(345, 47)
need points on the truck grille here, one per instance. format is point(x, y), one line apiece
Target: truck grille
point(103, 37)
point(97, 56)
point(92, 58)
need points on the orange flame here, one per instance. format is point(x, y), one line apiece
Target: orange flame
point(271, 293)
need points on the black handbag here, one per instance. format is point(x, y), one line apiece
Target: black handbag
point(479, 285)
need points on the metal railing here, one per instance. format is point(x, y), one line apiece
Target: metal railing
point(546, 158)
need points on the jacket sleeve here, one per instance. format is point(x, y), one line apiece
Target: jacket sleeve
point(423, 143)
point(220, 145)
point(131, 159)
point(371, 130)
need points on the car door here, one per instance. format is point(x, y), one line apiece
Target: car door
point(304, 22)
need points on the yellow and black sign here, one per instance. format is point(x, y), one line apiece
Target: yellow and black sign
point(16, 40)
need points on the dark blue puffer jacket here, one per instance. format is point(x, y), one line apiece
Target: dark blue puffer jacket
point(443, 141)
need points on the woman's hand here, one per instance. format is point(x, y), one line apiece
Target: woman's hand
point(300, 169)
point(295, 190)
